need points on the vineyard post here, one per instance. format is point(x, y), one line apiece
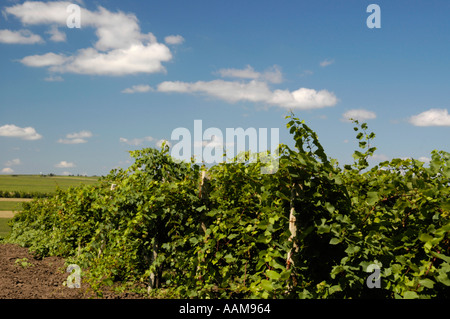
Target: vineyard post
point(292, 229)
point(203, 195)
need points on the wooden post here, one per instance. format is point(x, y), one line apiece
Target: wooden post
point(154, 277)
point(203, 193)
point(292, 227)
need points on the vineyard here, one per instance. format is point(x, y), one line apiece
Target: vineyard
point(312, 229)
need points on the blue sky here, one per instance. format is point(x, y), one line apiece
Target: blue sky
point(75, 100)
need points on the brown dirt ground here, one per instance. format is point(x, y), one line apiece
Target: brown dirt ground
point(43, 279)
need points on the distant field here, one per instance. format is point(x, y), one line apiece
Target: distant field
point(4, 228)
point(10, 206)
point(41, 184)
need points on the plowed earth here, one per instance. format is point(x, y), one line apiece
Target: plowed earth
point(24, 277)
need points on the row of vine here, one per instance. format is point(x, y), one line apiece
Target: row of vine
point(156, 226)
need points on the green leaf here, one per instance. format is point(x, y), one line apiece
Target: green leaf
point(441, 256)
point(273, 275)
point(323, 229)
point(335, 241)
point(352, 249)
point(229, 258)
point(428, 283)
point(372, 198)
point(410, 295)
point(329, 207)
point(266, 285)
point(425, 237)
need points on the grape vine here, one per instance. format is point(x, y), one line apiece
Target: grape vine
point(230, 236)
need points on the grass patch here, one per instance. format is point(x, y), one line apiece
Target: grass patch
point(4, 228)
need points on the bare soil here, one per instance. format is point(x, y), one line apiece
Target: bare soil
point(33, 278)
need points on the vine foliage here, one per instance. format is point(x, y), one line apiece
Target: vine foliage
point(230, 236)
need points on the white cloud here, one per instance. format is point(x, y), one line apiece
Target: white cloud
point(72, 141)
point(432, 117)
point(82, 134)
point(272, 75)
point(326, 62)
point(142, 88)
point(76, 138)
point(306, 73)
point(26, 133)
point(379, 157)
point(136, 141)
point(138, 58)
point(19, 37)
point(47, 59)
point(214, 142)
point(13, 162)
point(121, 47)
point(303, 98)
point(7, 170)
point(254, 91)
point(424, 159)
point(56, 35)
point(53, 78)
point(358, 114)
point(247, 73)
point(64, 164)
point(174, 39)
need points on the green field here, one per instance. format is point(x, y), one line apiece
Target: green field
point(34, 184)
point(4, 228)
point(10, 206)
point(41, 184)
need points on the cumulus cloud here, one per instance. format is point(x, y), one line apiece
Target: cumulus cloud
point(82, 134)
point(358, 114)
point(53, 78)
point(13, 162)
point(56, 35)
point(136, 141)
point(378, 158)
point(64, 164)
point(7, 170)
point(25, 133)
point(174, 39)
point(272, 75)
point(214, 142)
point(47, 59)
point(121, 48)
point(76, 138)
point(142, 88)
point(424, 159)
point(326, 62)
point(432, 117)
point(254, 91)
point(19, 37)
